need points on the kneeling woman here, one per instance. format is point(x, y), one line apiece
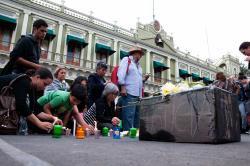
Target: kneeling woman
point(103, 110)
point(25, 90)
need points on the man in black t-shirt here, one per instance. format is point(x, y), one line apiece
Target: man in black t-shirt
point(26, 53)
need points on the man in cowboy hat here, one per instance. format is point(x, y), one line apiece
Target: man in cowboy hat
point(131, 82)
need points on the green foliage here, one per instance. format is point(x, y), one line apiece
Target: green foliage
point(244, 70)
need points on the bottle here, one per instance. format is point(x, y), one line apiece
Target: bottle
point(80, 133)
point(23, 126)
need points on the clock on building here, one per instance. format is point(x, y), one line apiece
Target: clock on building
point(157, 26)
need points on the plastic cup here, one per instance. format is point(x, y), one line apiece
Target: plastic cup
point(80, 133)
point(111, 133)
point(87, 132)
point(105, 131)
point(57, 131)
point(133, 132)
point(116, 133)
point(97, 134)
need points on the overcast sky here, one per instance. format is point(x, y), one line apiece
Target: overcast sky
point(205, 28)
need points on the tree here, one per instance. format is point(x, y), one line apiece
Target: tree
point(244, 70)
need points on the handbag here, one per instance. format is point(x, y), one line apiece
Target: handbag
point(9, 118)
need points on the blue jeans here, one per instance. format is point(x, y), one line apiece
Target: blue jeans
point(243, 115)
point(130, 112)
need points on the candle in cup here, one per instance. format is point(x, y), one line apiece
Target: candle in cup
point(133, 132)
point(57, 131)
point(105, 131)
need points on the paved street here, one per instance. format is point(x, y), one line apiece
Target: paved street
point(68, 151)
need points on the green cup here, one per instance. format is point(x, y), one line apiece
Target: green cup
point(133, 132)
point(105, 131)
point(57, 131)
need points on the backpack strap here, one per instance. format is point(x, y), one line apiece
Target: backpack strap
point(5, 89)
point(129, 62)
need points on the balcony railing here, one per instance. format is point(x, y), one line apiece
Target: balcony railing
point(53, 58)
point(199, 61)
point(81, 16)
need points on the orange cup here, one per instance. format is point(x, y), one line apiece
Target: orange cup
point(80, 133)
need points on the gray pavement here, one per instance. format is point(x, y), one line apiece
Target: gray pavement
point(68, 151)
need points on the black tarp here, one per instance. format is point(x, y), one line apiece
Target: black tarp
point(203, 115)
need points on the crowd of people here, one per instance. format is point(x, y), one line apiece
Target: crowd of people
point(239, 85)
point(43, 99)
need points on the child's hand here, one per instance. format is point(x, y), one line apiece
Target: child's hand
point(115, 121)
point(91, 129)
point(59, 121)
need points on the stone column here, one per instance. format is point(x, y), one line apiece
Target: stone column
point(89, 52)
point(189, 72)
point(25, 22)
point(50, 50)
point(59, 42)
point(169, 70)
point(116, 53)
point(177, 73)
point(81, 57)
point(148, 65)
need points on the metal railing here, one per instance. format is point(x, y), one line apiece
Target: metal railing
point(70, 61)
point(200, 61)
point(82, 16)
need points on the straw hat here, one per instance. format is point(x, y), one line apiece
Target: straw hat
point(136, 49)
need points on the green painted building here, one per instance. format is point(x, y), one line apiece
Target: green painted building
point(78, 41)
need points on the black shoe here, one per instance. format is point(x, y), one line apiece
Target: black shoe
point(244, 131)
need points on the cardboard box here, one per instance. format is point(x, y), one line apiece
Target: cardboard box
point(200, 116)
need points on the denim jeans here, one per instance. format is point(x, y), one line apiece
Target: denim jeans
point(243, 115)
point(130, 112)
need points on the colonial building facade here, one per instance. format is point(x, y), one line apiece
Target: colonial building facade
point(78, 41)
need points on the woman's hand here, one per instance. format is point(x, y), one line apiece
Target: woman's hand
point(115, 121)
point(45, 126)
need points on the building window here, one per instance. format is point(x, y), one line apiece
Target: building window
point(159, 67)
point(157, 75)
point(46, 43)
point(5, 37)
point(74, 53)
point(45, 49)
point(101, 57)
point(102, 52)
point(75, 46)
